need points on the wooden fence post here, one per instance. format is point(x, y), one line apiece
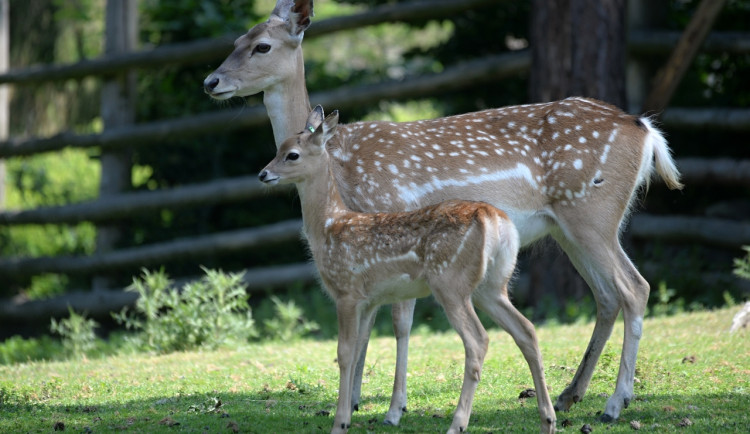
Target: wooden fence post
point(4, 65)
point(117, 110)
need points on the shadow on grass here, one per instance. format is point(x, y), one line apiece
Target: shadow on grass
point(312, 411)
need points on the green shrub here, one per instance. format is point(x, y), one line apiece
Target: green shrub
point(288, 322)
point(17, 349)
point(206, 313)
point(77, 332)
point(742, 265)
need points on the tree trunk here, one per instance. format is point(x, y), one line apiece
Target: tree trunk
point(577, 49)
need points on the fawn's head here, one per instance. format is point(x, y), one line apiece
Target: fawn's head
point(304, 154)
point(266, 55)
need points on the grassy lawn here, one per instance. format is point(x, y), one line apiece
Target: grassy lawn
point(692, 376)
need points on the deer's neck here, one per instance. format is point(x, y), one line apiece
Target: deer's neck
point(321, 205)
point(288, 104)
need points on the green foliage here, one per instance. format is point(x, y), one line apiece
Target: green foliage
point(404, 112)
point(45, 180)
point(77, 332)
point(664, 301)
point(207, 313)
point(289, 323)
point(16, 349)
point(742, 265)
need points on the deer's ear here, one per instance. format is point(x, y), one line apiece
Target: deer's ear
point(282, 9)
point(300, 17)
point(314, 119)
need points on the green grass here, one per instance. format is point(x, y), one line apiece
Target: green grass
point(281, 387)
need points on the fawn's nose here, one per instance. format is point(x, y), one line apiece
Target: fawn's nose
point(210, 85)
point(262, 175)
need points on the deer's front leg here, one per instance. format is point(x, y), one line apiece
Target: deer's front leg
point(348, 321)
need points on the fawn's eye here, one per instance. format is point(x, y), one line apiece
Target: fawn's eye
point(262, 48)
point(292, 156)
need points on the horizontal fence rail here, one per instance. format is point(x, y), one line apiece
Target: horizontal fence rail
point(465, 74)
point(657, 42)
point(217, 48)
point(155, 254)
point(710, 231)
point(101, 303)
point(728, 119)
point(725, 233)
point(122, 206)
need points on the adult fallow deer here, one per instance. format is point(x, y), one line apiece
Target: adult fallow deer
point(569, 169)
point(463, 252)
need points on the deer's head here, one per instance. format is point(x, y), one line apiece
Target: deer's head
point(266, 55)
point(303, 155)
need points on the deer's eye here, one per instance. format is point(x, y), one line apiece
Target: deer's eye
point(262, 48)
point(292, 156)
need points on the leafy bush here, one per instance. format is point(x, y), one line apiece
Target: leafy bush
point(742, 265)
point(77, 332)
point(205, 313)
point(288, 323)
point(46, 180)
point(19, 350)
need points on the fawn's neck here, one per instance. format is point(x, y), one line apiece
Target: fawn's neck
point(321, 204)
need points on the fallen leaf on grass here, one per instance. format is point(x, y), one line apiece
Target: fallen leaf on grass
point(566, 423)
point(528, 393)
point(232, 425)
point(59, 426)
point(635, 425)
point(685, 422)
point(586, 429)
point(688, 359)
point(168, 421)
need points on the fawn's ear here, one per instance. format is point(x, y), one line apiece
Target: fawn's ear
point(314, 119)
point(325, 130)
point(329, 125)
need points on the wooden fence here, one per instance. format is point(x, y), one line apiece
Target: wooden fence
point(117, 207)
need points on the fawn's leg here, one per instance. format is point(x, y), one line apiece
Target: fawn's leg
point(463, 318)
point(348, 322)
point(501, 310)
point(361, 356)
point(403, 315)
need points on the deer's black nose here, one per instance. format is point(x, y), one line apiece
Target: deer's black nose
point(262, 175)
point(208, 86)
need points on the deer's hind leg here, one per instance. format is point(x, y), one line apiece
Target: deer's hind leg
point(616, 284)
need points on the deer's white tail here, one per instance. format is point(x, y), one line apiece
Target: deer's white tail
point(662, 156)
